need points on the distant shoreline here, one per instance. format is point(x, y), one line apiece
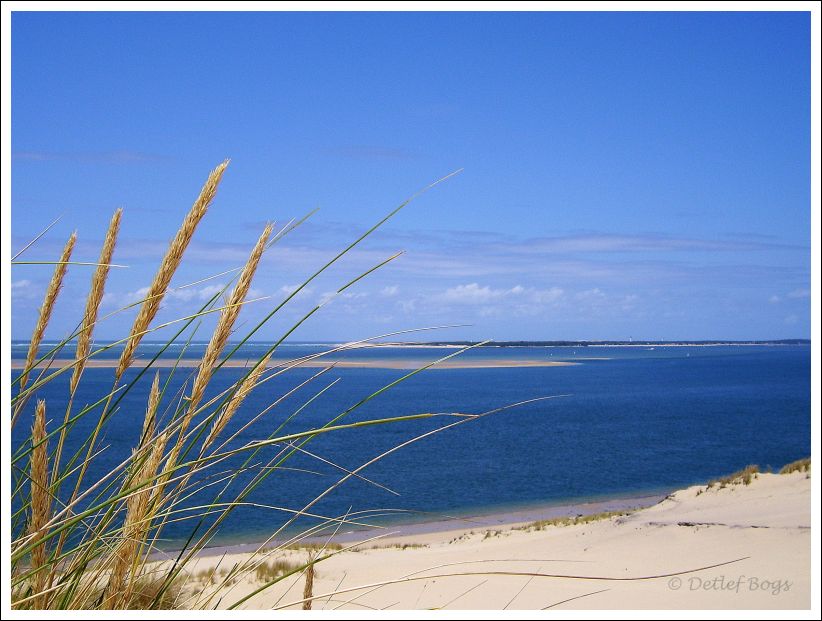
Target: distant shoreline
point(458, 344)
point(385, 363)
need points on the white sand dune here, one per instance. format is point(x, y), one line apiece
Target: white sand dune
point(761, 531)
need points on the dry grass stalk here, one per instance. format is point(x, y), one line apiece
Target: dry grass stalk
point(157, 289)
point(48, 306)
point(245, 387)
point(308, 591)
point(169, 265)
point(95, 296)
point(151, 410)
point(226, 321)
point(122, 579)
point(151, 304)
point(40, 498)
point(218, 340)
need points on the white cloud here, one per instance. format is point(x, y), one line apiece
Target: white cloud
point(547, 296)
point(186, 294)
point(492, 302)
point(111, 298)
point(390, 291)
point(474, 294)
point(23, 290)
point(287, 290)
point(520, 301)
point(205, 293)
point(345, 295)
point(799, 293)
point(628, 302)
point(594, 294)
point(774, 299)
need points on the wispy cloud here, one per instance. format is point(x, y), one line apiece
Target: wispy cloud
point(287, 290)
point(123, 156)
point(179, 295)
point(576, 242)
point(371, 152)
point(518, 301)
point(473, 293)
point(595, 259)
point(482, 277)
point(23, 290)
point(796, 294)
point(347, 296)
point(799, 293)
point(598, 243)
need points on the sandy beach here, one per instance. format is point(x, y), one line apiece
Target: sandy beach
point(381, 363)
point(734, 547)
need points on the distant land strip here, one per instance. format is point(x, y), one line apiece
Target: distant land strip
point(631, 343)
point(384, 363)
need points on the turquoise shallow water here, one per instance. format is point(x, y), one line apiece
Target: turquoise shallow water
point(637, 420)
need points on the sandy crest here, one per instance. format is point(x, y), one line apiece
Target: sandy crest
point(762, 530)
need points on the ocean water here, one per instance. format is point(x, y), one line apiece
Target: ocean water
point(635, 420)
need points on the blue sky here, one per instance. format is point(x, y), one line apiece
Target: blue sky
point(626, 175)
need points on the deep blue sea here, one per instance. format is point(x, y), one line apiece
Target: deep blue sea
point(637, 420)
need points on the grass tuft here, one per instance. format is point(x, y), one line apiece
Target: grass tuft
point(270, 570)
point(397, 546)
point(572, 520)
point(744, 477)
point(307, 546)
point(800, 465)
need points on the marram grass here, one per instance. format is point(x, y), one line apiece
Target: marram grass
point(52, 291)
point(81, 543)
point(171, 261)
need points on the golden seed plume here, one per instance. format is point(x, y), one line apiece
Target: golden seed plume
point(169, 265)
point(151, 410)
point(48, 306)
point(95, 296)
point(236, 400)
point(136, 524)
point(219, 337)
point(40, 496)
point(226, 321)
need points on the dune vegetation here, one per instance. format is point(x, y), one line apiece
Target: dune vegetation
point(86, 542)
